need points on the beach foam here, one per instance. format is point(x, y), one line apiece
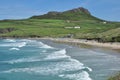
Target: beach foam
point(53, 68)
point(51, 71)
point(9, 40)
point(22, 60)
point(17, 49)
point(78, 76)
point(47, 61)
point(36, 43)
point(42, 45)
point(52, 56)
point(16, 44)
point(58, 55)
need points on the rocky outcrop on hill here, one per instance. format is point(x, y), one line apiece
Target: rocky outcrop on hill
point(53, 13)
point(6, 30)
point(76, 10)
point(80, 9)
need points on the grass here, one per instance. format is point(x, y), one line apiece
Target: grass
point(53, 25)
point(56, 28)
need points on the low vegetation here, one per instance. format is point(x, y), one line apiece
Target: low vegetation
point(53, 24)
point(116, 77)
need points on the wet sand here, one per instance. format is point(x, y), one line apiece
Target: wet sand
point(104, 62)
point(114, 45)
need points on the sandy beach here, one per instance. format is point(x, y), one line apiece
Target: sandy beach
point(113, 45)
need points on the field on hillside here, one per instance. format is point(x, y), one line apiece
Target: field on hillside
point(89, 29)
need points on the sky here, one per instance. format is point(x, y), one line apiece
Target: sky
point(20, 9)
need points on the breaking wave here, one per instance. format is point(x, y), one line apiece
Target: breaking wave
point(17, 49)
point(78, 76)
point(16, 44)
point(54, 62)
point(42, 45)
point(9, 40)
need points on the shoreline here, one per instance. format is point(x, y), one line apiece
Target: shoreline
point(78, 42)
point(112, 45)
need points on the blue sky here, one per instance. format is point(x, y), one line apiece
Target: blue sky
point(18, 9)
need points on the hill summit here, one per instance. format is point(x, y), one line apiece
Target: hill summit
point(73, 14)
point(76, 10)
point(80, 9)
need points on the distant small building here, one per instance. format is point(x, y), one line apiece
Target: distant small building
point(69, 27)
point(68, 21)
point(104, 22)
point(77, 27)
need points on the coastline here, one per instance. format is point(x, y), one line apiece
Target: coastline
point(77, 54)
point(78, 42)
point(112, 45)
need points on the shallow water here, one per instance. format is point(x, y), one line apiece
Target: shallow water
point(33, 60)
point(24, 59)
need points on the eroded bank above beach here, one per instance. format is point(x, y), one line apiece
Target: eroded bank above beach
point(111, 45)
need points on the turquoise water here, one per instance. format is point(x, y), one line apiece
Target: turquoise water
point(33, 60)
point(24, 59)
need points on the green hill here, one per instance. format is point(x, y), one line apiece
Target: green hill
point(74, 14)
point(62, 24)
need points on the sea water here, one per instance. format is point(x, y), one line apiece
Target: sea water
point(24, 59)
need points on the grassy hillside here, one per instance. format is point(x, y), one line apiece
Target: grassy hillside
point(54, 25)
